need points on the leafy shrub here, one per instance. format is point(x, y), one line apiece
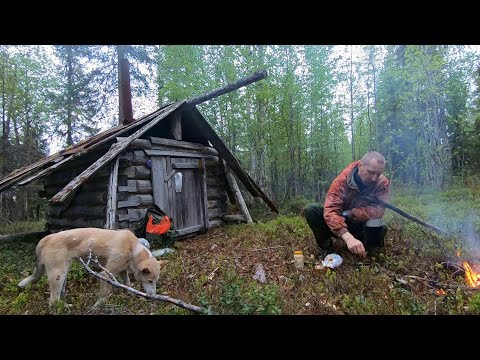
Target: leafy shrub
point(249, 297)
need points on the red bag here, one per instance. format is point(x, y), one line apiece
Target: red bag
point(160, 228)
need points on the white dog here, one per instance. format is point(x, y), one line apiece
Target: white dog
point(119, 251)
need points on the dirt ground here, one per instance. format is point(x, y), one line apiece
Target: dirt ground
point(216, 271)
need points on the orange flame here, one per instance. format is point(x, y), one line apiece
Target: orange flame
point(471, 277)
point(458, 253)
point(441, 292)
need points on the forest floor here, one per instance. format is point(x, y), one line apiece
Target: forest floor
point(417, 272)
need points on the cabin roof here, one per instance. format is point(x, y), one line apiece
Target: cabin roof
point(108, 140)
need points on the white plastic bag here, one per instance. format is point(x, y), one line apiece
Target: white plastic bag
point(260, 273)
point(332, 261)
point(178, 182)
point(144, 242)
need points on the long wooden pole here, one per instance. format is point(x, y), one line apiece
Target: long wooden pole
point(404, 214)
point(236, 190)
point(229, 88)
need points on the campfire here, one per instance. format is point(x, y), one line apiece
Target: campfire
point(472, 274)
point(470, 270)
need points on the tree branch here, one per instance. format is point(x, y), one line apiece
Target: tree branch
point(114, 282)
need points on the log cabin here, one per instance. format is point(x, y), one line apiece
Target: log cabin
point(172, 158)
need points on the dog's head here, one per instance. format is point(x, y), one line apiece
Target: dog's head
point(148, 273)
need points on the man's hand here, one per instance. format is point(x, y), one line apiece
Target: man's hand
point(354, 245)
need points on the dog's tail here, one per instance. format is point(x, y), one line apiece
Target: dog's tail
point(32, 279)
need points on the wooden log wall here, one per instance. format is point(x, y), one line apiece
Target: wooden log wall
point(134, 192)
point(217, 198)
point(87, 208)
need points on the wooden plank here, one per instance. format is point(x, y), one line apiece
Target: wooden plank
point(185, 165)
point(136, 144)
point(112, 196)
point(233, 184)
point(159, 169)
point(171, 204)
point(204, 195)
point(190, 229)
point(19, 174)
point(176, 143)
point(204, 150)
point(115, 150)
point(45, 172)
point(176, 125)
point(153, 152)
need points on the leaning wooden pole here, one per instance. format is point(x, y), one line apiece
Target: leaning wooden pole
point(229, 88)
point(236, 190)
point(404, 214)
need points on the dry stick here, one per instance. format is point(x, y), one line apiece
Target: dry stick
point(268, 248)
point(413, 218)
point(403, 213)
point(210, 277)
point(177, 302)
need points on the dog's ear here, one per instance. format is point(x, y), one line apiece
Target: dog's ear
point(146, 270)
point(162, 263)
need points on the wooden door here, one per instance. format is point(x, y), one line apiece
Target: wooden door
point(179, 188)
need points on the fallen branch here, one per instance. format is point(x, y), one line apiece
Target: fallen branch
point(26, 237)
point(210, 277)
point(114, 282)
point(268, 248)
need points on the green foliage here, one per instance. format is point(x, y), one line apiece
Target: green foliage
point(242, 297)
point(294, 206)
point(22, 227)
point(474, 304)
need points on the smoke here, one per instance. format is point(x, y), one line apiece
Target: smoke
point(461, 222)
point(472, 238)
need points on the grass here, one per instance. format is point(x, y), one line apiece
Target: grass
point(215, 270)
